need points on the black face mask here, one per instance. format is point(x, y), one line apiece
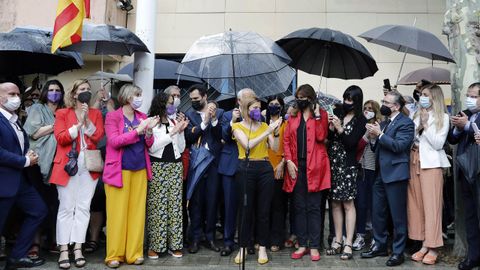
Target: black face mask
point(302, 104)
point(416, 95)
point(84, 97)
point(198, 105)
point(385, 111)
point(347, 107)
point(274, 109)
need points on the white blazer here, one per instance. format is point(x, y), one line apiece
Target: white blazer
point(162, 139)
point(431, 143)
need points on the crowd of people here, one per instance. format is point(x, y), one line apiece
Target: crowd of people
point(166, 179)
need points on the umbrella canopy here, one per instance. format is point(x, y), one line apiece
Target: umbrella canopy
point(100, 75)
point(328, 53)
point(22, 54)
point(326, 101)
point(431, 74)
point(234, 55)
point(409, 39)
point(104, 39)
point(165, 70)
point(264, 85)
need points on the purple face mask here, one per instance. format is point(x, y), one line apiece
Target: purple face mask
point(286, 116)
point(54, 97)
point(255, 115)
point(171, 109)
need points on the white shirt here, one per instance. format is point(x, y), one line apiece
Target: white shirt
point(391, 121)
point(13, 118)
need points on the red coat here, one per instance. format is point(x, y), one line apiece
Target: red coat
point(65, 119)
point(318, 164)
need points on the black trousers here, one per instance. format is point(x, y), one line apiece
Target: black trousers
point(472, 222)
point(307, 210)
point(255, 185)
point(278, 214)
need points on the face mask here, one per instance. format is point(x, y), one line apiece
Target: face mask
point(347, 107)
point(35, 100)
point(385, 111)
point(424, 102)
point(302, 104)
point(171, 109)
point(84, 97)
point(411, 107)
point(286, 116)
point(369, 115)
point(197, 105)
point(12, 104)
point(471, 103)
point(176, 102)
point(255, 115)
point(274, 109)
point(54, 97)
point(416, 95)
point(136, 102)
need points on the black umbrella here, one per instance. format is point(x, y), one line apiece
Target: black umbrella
point(328, 53)
point(22, 54)
point(104, 39)
point(233, 55)
point(165, 70)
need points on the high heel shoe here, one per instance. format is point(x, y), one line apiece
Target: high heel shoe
point(64, 264)
point(334, 251)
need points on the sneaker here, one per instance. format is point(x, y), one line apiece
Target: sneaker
point(175, 253)
point(372, 244)
point(359, 242)
point(152, 255)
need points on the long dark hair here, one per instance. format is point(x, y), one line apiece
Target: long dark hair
point(44, 94)
point(282, 104)
point(308, 92)
point(355, 94)
point(159, 105)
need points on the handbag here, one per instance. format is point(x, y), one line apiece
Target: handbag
point(93, 160)
point(72, 165)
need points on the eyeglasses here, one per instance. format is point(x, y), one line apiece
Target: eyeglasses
point(384, 102)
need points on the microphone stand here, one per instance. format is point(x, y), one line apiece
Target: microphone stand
point(245, 197)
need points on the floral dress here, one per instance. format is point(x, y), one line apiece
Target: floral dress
point(344, 177)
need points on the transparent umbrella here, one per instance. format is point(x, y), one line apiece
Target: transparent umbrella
point(234, 55)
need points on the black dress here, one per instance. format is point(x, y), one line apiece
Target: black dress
point(342, 150)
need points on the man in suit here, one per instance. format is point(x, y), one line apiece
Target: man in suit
point(394, 138)
point(227, 168)
point(15, 188)
point(204, 124)
point(462, 133)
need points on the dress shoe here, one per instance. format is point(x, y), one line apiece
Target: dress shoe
point(395, 260)
point(226, 251)
point(468, 264)
point(211, 245)
point(374, 252)
point(23, 263)
point(193, 248)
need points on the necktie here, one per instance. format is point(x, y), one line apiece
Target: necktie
point(387, 125)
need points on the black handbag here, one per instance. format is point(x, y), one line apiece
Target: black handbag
point(72, 165)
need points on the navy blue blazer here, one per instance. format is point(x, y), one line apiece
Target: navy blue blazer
point(211, 135)
point(465, 138)
point(228, 162)
point(12, 159)
point(393, 149)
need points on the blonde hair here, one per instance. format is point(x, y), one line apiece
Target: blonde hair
point(126, 92)
point(246, 104)
point(438, 104)
point(69, 99)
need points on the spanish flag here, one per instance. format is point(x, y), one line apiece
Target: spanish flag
point(69, 21)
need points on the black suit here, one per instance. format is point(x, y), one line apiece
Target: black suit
point(465, 139)
point(15, 189)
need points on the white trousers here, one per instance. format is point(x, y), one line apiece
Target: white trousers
point(74, 209)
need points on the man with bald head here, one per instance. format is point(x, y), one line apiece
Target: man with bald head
point(227, 167)
point(15, 187)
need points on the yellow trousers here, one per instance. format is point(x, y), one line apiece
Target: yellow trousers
point(126, 217)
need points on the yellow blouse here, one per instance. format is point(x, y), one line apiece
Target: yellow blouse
point(261, 149)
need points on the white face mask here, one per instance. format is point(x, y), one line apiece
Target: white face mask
point(411, 107)
point(176, 102)
point(471, 103)
point(137, 102)
point(369, 115)
point(12, 104)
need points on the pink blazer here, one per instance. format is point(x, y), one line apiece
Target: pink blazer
point(116, 140)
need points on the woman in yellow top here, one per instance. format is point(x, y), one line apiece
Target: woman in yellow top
point(254, 176)
point(275, 111)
